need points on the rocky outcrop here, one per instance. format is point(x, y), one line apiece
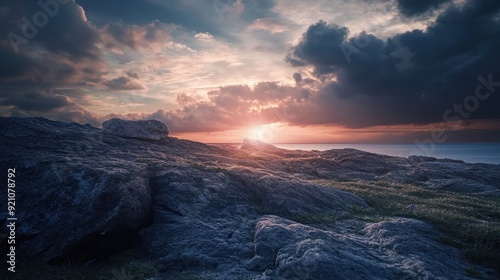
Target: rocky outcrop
point(144, 130)
point(350, 164)
point(219, 211)
point(84, 210)
point(394, 249)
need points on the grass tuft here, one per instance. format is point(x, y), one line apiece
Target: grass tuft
point(469, 222)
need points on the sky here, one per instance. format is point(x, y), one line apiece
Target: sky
point(281, 71)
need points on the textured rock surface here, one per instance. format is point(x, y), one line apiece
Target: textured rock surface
point(144, 130)
point(394, 249)
point(86, 192)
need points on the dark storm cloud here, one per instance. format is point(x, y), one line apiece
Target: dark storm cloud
point(52, 104)
point(47, 47)
point(53, 56)
point(410, 78)
point(13, 66)
point(418, 7)
point(48, 26)
point(81, 44)
point(38, 101)
point(41, 43)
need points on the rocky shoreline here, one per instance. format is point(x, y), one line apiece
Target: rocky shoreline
point(222, 212)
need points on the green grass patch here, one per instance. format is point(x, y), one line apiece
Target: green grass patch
point(470, 222)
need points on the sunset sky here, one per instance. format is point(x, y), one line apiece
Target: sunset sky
point(283, 71)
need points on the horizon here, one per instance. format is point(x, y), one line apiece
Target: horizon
point(359, 143)
point(219, 71)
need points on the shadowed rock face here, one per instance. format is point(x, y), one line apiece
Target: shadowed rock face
point(84, 193)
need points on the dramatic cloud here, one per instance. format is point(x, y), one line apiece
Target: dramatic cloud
point(53, 47)
point(34, 38)
point(45, 103)
point(412, 77)
point(153, 36)
point(47, 46)
point(35, 101)
point(233, 107)
point(414, 7)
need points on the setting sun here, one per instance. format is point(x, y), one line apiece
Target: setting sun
point(258, 133)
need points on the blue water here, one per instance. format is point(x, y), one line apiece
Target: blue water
point(472, 153)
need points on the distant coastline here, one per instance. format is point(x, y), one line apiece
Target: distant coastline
point(468, 152)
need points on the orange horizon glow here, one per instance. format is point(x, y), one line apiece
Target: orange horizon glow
point(279, 133)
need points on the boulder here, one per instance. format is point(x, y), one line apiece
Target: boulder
point(82, 210)
point(151, 130)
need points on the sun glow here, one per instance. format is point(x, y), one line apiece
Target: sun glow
point(266, 133)
point(259, 133)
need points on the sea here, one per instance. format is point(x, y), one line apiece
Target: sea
point(469, 152)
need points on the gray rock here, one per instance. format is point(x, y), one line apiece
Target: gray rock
point(289, 196)
point(394, 249)
point(81, 210)
point(145, 130)
point(201, 211)
point(86, 192)
point(447, 175)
